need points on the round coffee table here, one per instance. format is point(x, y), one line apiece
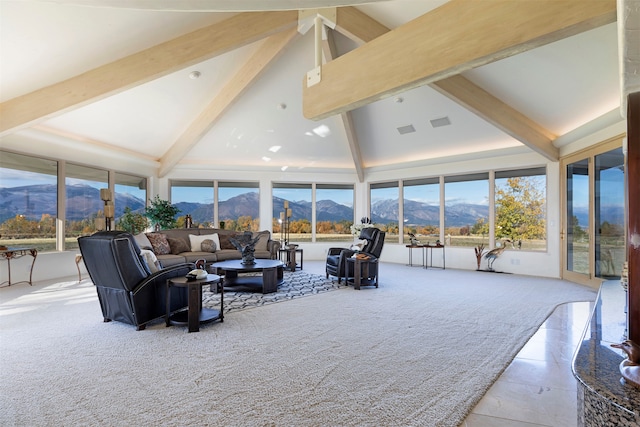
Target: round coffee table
point(272, 275)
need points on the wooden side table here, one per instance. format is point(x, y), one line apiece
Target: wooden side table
point(195, 313)
point(290, 262)
point(365, 272)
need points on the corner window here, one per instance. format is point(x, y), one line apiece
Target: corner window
point(29, 201)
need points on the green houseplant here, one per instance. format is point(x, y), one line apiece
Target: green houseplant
point(161, 213)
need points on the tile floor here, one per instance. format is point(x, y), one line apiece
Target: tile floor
point(538, 387)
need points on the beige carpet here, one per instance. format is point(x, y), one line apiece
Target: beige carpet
point(419, 351)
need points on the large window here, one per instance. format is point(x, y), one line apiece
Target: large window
point(29, 201)
point(292, 212)
point(466, 209)
point(83, 203)
point(130, 201)
point(520, 206)
point(384, 199)
point(239, 206)
point(421, 208)
point(334, 212)
point(193, 198)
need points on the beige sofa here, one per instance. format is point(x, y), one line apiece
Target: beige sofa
point(179, 245)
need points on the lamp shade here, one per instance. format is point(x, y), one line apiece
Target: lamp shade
point(105, 194)
point(109, 211)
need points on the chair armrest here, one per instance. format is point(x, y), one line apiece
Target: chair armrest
point(274, 247)
point(162, 275)
point(336, 251)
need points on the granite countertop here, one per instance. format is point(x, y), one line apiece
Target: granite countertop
point(596, 363)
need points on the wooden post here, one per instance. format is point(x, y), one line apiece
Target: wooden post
point(633, 213)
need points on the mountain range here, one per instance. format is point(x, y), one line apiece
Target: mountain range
point(83, 201)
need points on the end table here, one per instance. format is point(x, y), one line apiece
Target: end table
point(195, 314)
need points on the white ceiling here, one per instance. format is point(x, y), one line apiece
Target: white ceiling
point(561, 86)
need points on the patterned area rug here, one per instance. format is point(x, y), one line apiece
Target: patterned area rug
point(296, 284)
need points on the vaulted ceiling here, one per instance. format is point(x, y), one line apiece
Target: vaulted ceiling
point(404, 82)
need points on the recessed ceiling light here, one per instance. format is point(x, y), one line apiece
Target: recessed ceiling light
point(322, 131)
point(284, 168)
point(194, 75)
point(442, 121)
point(282, 106)
point(275, 148)
point(399, 100)
point(266, 159)
point(406, 129)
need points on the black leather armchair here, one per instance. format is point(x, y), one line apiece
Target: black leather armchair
point(337, 257)
point(127, 290)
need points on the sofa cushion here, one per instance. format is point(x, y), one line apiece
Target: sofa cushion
point(196, 241)
point(263, 241)
point(209, 257)
point(178, 246)
point(169, 260)
point(225, 243)
point(208, 245)
point(143, 241)
point(159, 243)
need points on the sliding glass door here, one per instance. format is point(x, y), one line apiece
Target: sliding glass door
point(593, 229)
point(577, 218)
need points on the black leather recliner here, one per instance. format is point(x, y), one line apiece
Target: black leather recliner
point(337, 257)
point(127, 290)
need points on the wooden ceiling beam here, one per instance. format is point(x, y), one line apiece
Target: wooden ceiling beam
point(458, 36)
point(357, 25)
point(329, 51)
point(501, 115)
point(138, 68)
point(464, 92)
point(250, 71)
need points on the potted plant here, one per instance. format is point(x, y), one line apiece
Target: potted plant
point(161, 213)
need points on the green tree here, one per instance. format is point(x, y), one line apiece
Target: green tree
point(134, 223)
point(520, 210)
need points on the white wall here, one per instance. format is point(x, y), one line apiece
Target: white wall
point(547, 264)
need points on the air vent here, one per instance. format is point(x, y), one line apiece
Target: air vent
point(406, 129)
point(442, 121)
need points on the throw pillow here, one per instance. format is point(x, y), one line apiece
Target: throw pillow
point(208, 245)
point(159, 243)
point(143, 241)
point(261, 244)
point(151, 260)
point(196, 241)
point(224, 241)
point(178, 246)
